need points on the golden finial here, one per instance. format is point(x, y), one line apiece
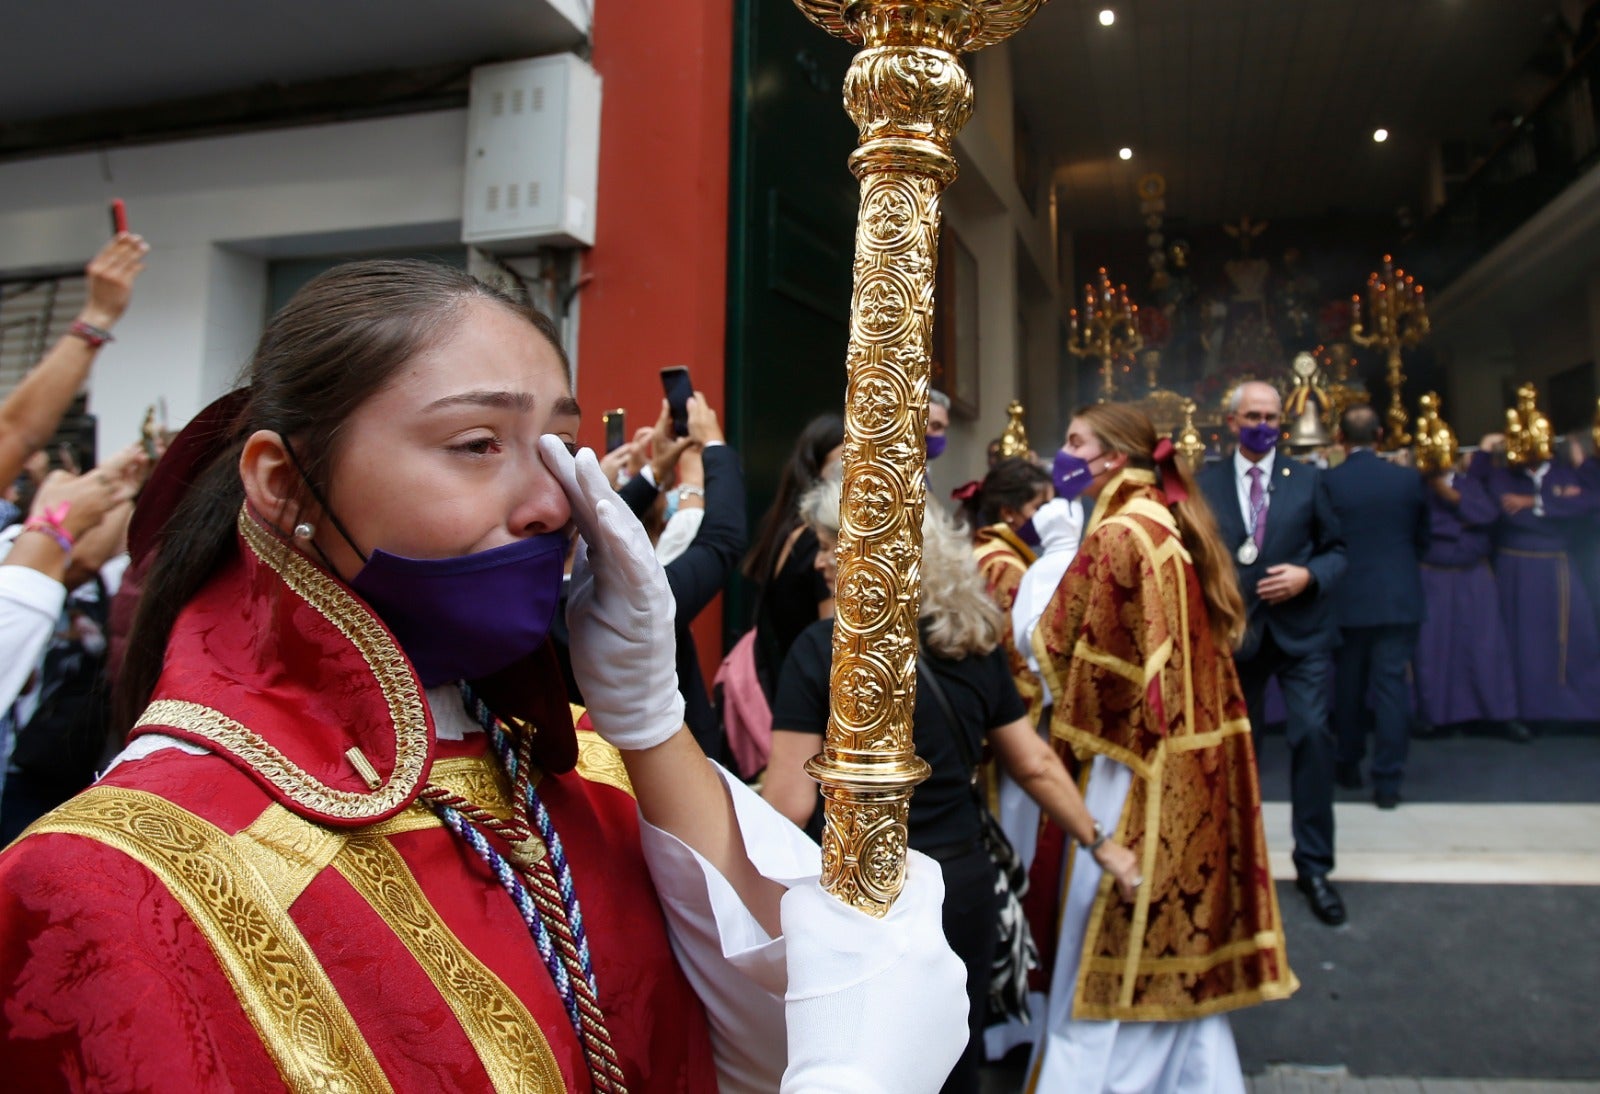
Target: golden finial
point(1014, 441)
point(1436, 442)
point(1529, 438)
point(1190, 446)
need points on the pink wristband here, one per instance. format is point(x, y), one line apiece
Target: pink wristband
point(54, 531)
point(53, 522)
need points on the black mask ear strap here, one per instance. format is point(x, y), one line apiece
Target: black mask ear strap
point(326, 508)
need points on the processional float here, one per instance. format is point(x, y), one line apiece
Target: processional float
point(908, 94)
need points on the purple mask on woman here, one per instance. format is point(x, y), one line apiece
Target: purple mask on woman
point(1071, 475)
point(1260, 438)
point(468, 617)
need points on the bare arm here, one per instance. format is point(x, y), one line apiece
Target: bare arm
point(786, 786)
point(31, 413)
point(1040, 772)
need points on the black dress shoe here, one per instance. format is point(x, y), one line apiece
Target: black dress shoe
point(1518, 732)
point(1386, 799)
point(1323, 898)
point(1348, 776)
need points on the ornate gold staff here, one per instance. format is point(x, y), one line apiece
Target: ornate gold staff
point(908, 95)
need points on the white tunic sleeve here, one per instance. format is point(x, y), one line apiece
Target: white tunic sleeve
point(30, 604)
point(735, 967)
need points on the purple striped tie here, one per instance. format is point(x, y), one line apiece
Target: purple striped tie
point(1258, 508)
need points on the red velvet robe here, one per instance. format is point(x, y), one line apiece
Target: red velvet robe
point(258, 918)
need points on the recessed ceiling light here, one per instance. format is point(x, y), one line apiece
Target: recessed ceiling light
point(1380, 135)
point(1107, 17)
point(1126, 153)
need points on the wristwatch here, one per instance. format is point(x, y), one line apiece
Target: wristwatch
point(1100, 837)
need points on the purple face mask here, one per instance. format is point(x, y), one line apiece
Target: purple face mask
point(936, 445)
point(1071, 475)
point(1028, 534)
point(469, 617)
point(1260, 438)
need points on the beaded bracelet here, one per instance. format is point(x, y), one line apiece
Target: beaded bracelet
point(95, 336)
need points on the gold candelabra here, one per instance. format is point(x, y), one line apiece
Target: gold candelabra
point(1108, 332)
point(908, 94)
point(1399, 309)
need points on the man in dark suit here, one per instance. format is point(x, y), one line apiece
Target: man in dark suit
point(1383, 509)
point(1277, 517)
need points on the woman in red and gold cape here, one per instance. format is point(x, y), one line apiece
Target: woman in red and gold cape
point(355, 842)
point(1136, 650)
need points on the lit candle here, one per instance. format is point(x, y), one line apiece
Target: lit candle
point(1355, 303)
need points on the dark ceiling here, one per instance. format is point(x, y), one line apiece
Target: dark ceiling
point(1265, 107)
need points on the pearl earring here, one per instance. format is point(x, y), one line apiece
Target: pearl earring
point(304, 530)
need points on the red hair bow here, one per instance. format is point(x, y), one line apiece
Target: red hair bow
point(1165, 457)
point(967, 492)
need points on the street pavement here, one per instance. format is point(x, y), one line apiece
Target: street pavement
point(1470, 962)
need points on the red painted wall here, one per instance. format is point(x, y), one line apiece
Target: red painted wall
point(659, 263)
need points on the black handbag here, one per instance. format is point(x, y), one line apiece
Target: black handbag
point(1015, 954)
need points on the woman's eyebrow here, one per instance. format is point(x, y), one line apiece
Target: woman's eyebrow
point(567, 405)
point(506, 400)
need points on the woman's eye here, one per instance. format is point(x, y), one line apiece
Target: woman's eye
point(479, 446)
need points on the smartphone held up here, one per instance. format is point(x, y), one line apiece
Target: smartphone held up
point(679, 390)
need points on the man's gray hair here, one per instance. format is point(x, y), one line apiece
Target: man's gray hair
point(1236, 400)
point(937, 396)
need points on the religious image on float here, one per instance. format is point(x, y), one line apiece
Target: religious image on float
point(1227, 303)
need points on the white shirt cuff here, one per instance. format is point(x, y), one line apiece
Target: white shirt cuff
point(736, 968)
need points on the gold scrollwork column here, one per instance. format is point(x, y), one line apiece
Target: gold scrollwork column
point(908, 94)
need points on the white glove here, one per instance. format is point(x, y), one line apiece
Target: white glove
point(620, 611)
point(874, 1006)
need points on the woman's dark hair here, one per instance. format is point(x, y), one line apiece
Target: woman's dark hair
point(336, 343)
point(1010, 484)
point(821, 436)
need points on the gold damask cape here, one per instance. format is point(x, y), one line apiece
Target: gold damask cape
point(1002, 560)
point(1125, 647)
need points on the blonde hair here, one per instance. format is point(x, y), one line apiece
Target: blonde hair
point(959, 620)
point(958, 616)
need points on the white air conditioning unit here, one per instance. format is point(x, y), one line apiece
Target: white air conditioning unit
point(533, 155)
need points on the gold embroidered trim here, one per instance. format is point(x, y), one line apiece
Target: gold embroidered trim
point(600, 762)
point(282, 988)
point(476, 778)
point(287, 850)
point(383, 658)
point(507, 1040)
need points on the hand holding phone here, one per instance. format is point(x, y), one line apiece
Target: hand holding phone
point(119, 217)
point(679, 390)
point(616, 424)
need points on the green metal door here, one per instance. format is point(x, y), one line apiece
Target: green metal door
point(792, 209)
